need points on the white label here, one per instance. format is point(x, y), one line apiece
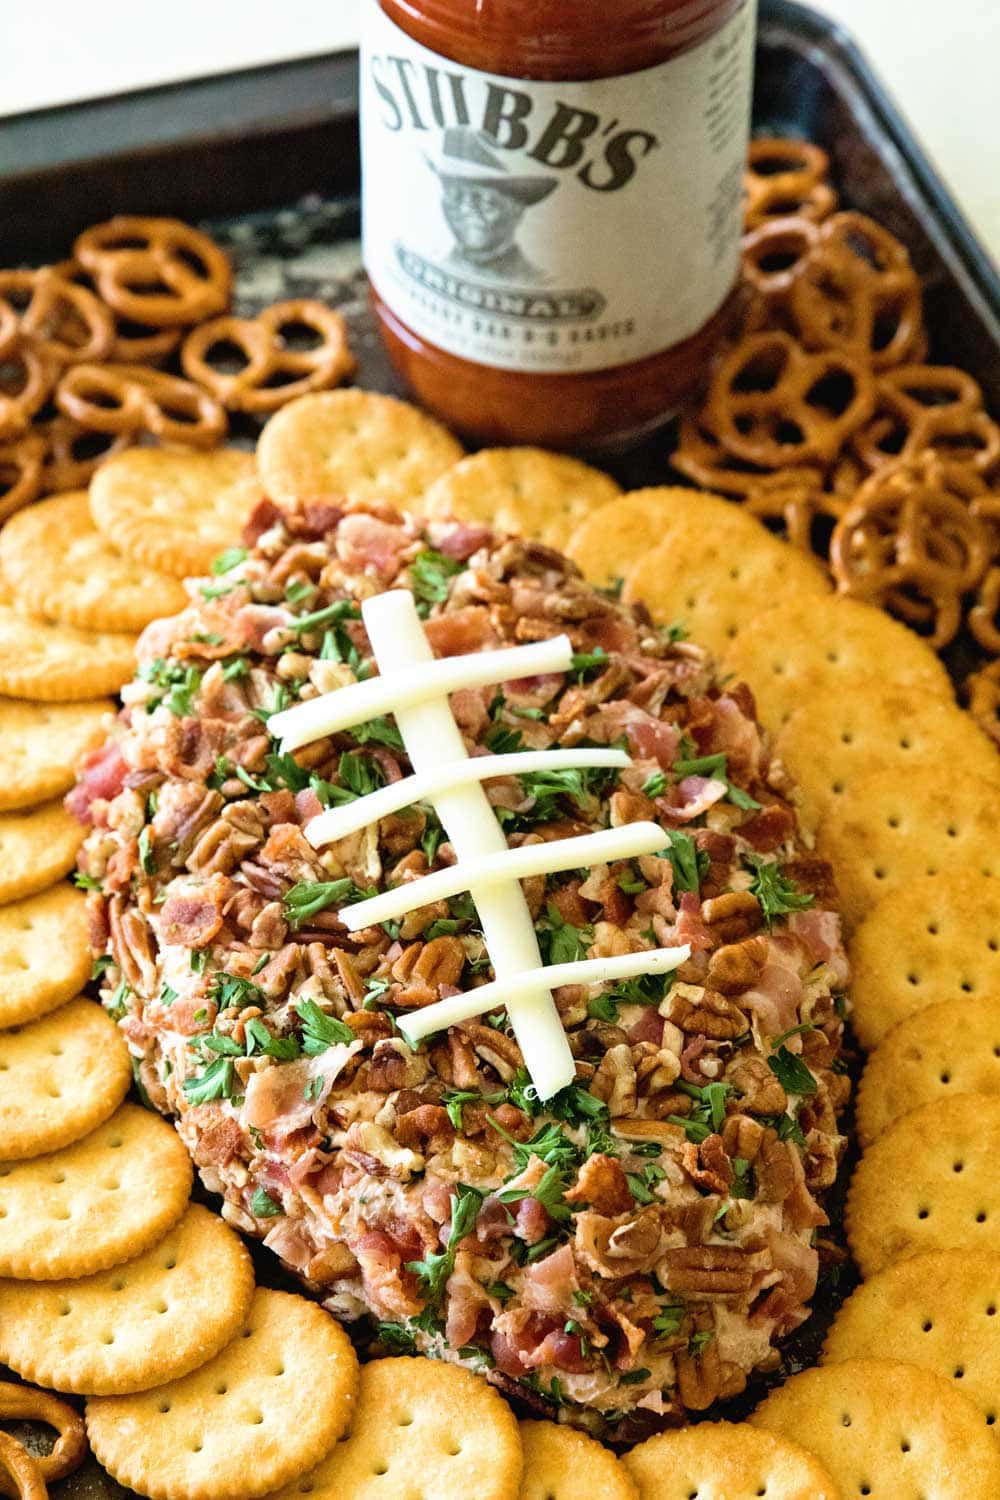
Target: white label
point(553, 227)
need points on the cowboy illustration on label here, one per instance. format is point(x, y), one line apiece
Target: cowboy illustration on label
point(483, 204)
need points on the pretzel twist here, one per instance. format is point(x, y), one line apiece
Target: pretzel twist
point(133, 399)
point(772, 403)
point(71, 453)
point(928, 407)
point(20, 472)
point(786, 177)
point(28, 1404)
point(160, 272)
point(20, 1473)
point(134, 343)
point(26, 381)
point(64, 321)
point(263, 343)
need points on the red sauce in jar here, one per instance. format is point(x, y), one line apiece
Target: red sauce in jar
point(552, 205)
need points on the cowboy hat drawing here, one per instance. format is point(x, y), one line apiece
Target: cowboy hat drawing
point(466, 159)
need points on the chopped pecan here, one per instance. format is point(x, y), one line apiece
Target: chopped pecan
point(657, 1069)
point(737, 966)
point(697, 1009)
point(329, 1264)
point(601, 1182)
point(614, 1082)
point(709, 1270)
point(661, 1131)
point(707, 1164)
point(699, 1368)
point(733, 915)
point(423, 1125)
point(496, 1048)
point(615, 1247)
point(349, 976)
point(440, 962)
point(759, 1090)
point(370, 1026)
point(742, 1136)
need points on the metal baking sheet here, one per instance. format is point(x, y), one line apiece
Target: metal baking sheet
point(268, 160)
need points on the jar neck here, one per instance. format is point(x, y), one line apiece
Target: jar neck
point(559, 39)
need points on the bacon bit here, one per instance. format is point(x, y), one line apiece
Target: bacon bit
point(288, 1240)
point(193, 918)
point(264, 515)
point(460, 631)
point(690, 926)
point(307, 805)
point(692, 797)
point(382, 1273)
point(689, 1056)
point(317, 518)
point(549, 1283)
point(462, 540)
point(649, 1027)
point(531, 1222)
point(100, 778)
point(770, 828)
point(364, 544)
point(648, 737)
point(601, 1182)
point(733, 733)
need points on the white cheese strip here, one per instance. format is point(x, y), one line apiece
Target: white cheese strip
point(500, 992)
point(414, 683)
point(479, 873)
point(338, 822)
point(432, 738)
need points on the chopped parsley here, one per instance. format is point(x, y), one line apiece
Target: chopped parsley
point(548, 1192)
point(634, 1377)
point(263, 1206)
point(397, 1338)
point(308, 897)
point(641, 1184)
point(667, 1323)
point(145, 847)
point(85, 882)
point(381, 732)
point(218, 1081)
point(432, 837)
point(433, 1272)
point(260, 1039)
point(776, 893)
point(582, 662)
point(430, 575)
point(177, 686)
point(454, 1099)
point(655, 784)
point(715, 766)
point(320, 1031)
point(710, 1102)
point(229, 990)
point(698, 1342)
point(336, 613)
point(228, 560)
point(100, 964)
point(504, 741)
point(791, 1072)
point(688, 862)
point(299, 592)
point(560, 941)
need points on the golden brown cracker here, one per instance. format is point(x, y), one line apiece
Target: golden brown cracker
point(60, 1077)
point(888, 828)
point(714, 582)
point(41, 744)
point(62, 568)
point(93, 1204)
point(935, 939)
point(947, 1049)
point(799, 647)
point(610, 540)
point(264, 1410)
point(358, 444)
point(940, 1310)
point(59, 664)
point(44, 953)
point(832, 739)
point(561, 1463)
point(928, 1183)
point(38, 846)
point(422, 1428)
point(883, 1428)
point(137, 1325)
point(726, 1461)
point(528, 491)
point(174, 511)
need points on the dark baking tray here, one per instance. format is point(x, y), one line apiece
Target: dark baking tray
point(269, 157)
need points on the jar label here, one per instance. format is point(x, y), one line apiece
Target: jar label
point(553, 227)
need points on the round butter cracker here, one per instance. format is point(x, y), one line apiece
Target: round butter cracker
point(60, 1077)
point(610, 540)
point(935, 939)
point(151, 1320)
point(174, 511)
point(44, 953)
point(355, 444)
point(260, 1413)
point(534, 494)
point(96, 1203)
point(41, 744)
point(887, 1429)
point(940, 1310)
point(422, 1428)
point(561, 1463)
point(38, 846)
point(799, 647)
point(929, 1183)
point(62, 568)
point(726, 1461)
point(59, 664)
point(888, 829)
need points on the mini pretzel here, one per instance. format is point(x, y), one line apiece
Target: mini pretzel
point(26, 381)
point(134, 343)
point(262, 342)
point(27, 1404)
point(857, 291)
point(70, 453)
point(983, 616)
point(20, 472)
point(143, 269)
point(132, 399)
point(772, 403)
point(22, 1472)
point(786, 177)
point(982, 690)
point(774, 253)
point(65, 322)
point(914, 404)
point(700, 456)
point(10, 329)
point(796, 505)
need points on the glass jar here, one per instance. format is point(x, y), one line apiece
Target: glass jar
point(552, 194)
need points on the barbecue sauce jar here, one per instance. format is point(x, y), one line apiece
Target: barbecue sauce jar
point(552, 198)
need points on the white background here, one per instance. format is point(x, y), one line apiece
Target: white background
point(942, 61)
